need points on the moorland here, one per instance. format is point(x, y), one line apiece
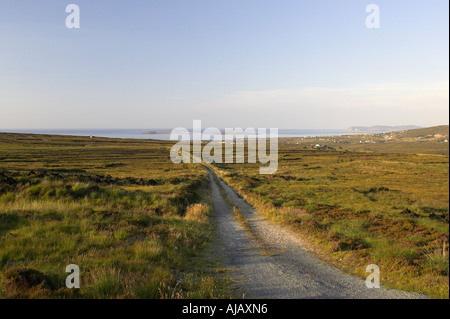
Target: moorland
point(140, 226)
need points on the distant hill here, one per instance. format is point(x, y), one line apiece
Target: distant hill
point(382, 128)
point(430, 133)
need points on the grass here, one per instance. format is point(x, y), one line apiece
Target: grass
point(357, 208)
point(119, 209)
point(139, 226)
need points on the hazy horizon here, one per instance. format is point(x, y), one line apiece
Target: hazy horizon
point(204, 127)
point(288, 64)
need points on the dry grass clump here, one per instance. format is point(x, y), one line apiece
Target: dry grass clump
point(197, 212)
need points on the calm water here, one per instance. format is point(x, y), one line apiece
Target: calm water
point(139, 133)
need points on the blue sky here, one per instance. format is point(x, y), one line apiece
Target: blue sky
point(250, 63)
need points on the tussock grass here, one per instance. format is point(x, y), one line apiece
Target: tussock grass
point(197, 212)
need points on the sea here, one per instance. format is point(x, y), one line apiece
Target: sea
point(162, 134)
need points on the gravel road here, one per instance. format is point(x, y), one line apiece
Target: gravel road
point(289, 271)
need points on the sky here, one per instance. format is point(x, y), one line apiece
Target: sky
point(298, 64)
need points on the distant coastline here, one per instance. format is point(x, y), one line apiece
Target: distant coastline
point(382, 128)
point(160, 134)
point(164, 134)
point(156, 132)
